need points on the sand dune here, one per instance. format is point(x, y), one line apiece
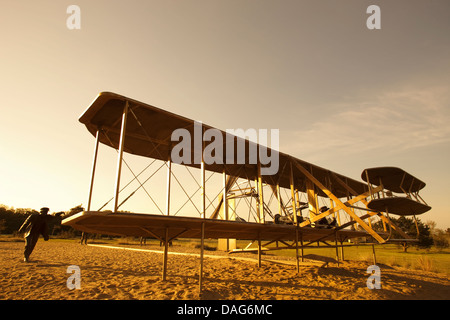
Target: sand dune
point(108, 273)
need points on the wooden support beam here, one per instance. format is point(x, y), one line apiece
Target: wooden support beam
point(161, 239)
point(169, 174)
point(335, 214)
point(203, 214)
point(334, 209)
point(278, 194)
point(166, 249)
point(294, 205)
point(301, 246)
point(364, 201)
point(373, 255)
point(261, 218)
point(259, 251)
point(94, 165)
point(178, 235)
point(202, 187)
point(312, 200)
point(224, 195)
point(339, 203)
point(120, 156)
point(230, 180)
point(296, 249)
point(337, 248)
point(202, 249)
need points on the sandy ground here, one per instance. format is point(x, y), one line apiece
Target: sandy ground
point(108, 273)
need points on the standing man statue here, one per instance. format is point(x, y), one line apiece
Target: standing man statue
point(33, 226)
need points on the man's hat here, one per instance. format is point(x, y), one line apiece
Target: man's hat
point(45, 209)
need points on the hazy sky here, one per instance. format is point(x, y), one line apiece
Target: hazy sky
point(344, 97)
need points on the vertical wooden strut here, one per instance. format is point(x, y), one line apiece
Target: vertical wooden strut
point(261, 218)
point(312, 199)
point(169, 174)
point(301, 244)
point(166, 249)
point(224, 195)
point(294, 212)
point(337, 247)
point(94, 165)
point(373, 255)
point(166, 236)
point(120, 156)
point(294, 205)
point(202, 177)
point(296, 249)
point(259, 251)
point(203, 214)
point(200, 279)
point(280, 211)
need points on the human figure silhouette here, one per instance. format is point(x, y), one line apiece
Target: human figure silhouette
point(84, 237)
point(34, 225)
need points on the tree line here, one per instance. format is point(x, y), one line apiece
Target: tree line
point(426, 234)
point(11, 219)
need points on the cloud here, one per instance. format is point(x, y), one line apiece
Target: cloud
point(394, 121)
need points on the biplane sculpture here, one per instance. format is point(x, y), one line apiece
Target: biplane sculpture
point(133, 127)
